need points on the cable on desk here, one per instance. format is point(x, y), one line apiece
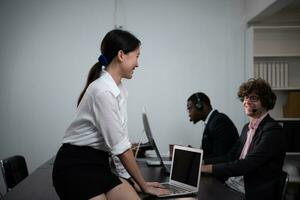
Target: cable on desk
point(139, 143)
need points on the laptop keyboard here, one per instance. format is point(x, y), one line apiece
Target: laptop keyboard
point(174, 189)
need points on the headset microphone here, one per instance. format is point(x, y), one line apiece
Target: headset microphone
point(254, 110)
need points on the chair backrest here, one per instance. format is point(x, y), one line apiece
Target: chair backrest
point(14, 170)
point(284, 184)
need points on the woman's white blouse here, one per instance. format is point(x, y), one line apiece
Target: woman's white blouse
point(101, 117)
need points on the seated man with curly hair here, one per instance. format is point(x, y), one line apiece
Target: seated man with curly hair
point(253, 166)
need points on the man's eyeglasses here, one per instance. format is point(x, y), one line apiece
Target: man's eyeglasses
point(252, 98)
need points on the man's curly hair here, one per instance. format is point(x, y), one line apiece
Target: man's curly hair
point(261, 88)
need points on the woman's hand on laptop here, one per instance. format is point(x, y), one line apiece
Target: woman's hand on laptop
point(206, 168)
point(155, 188)
point(150, 184)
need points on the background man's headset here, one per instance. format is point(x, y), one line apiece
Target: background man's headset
point(198, 105)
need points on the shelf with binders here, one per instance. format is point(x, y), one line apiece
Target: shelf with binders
point(276, 58)
point(282, 73)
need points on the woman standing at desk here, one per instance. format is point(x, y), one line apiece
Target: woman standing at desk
point(81, 169)
point(254, 164)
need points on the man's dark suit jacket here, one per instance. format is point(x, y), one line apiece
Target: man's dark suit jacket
point(262, 165)
point(219, 135)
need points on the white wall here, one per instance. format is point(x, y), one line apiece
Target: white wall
point(47, 48)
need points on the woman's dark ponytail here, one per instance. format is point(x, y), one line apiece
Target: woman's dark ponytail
point(94, 73)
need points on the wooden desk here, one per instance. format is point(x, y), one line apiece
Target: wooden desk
point(38, 185)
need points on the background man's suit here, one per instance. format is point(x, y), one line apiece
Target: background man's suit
point(219, 136)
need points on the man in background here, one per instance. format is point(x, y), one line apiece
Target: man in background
point(253, 167)
point(220, 134)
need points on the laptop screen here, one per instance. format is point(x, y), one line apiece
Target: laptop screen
point(186, 167)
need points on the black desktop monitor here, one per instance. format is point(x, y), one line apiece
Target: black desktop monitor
point(152, 141)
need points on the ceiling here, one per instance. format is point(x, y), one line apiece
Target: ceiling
point(282, 12)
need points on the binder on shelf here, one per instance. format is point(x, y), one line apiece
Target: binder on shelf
point(286, 75)
point(261, 70)
point(277, 75)
point(281, 75)
point(269, 65)
point(265, 68)
point(273, 75)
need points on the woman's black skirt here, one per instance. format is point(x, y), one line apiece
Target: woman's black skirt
point(82, 172)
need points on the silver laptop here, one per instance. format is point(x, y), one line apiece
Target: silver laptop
point(166, 164)
point(185, 171)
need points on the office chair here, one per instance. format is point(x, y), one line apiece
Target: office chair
point(284, 183)
point(14, 170)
